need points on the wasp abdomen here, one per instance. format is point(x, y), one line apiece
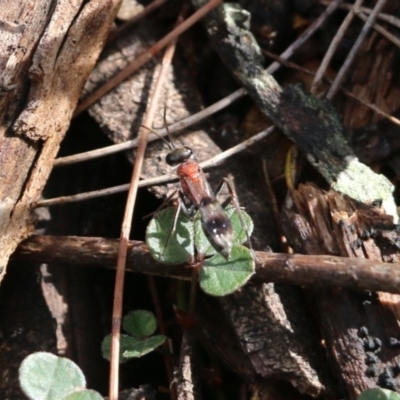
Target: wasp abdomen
point(216, 225)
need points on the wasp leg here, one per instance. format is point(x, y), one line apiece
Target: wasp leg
point(233, 199)
point(162, 206)
point(187, 206)
point(173, 228)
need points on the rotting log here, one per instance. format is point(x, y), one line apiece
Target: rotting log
point(47, 52)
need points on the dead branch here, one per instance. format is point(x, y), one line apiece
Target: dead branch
point(294, 269)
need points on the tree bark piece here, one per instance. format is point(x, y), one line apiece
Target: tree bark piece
point(358, 326)
point(277, 335)
point(48, 50)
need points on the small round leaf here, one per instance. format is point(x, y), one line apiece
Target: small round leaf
point(84, 395)
point(167, 247)
point(144, 346)
point(219, 277)
point(243, 230)
point(131, 347)
point(378, 394)
point(44, 376)
point(140, 323)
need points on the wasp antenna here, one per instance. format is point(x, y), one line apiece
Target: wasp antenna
point(166, 127)
point(159, 136)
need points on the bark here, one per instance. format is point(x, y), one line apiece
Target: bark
point(360, 328)
point(48, 50)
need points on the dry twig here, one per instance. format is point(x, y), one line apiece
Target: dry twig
point(391, 19)
point(333, 46)
point(307, 33)
point(293, 269)
point(297, 67)
point(350, 58)
point(380, 29)
point(212, 162)
point(127, 222)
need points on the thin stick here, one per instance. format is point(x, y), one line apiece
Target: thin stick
point(380, 29)
point(163, 330)
point(127, 222)
point(290, 64)
point(212, 162)
point(333, 46)
point(115, 33)
point(308, 32)
point(177, 126)
point(350, 58)
point(146, 56)
point(391, 19)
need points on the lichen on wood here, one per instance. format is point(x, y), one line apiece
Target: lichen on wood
point(311, 123)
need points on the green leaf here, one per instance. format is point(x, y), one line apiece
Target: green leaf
point(176, 248)
point(84, 395)
point(132, 347)
point(44, 376)
point(240, 231)
point(140, 323)
point(219, 277)
point(144, 346)
point(202, 244)
point(378, 394)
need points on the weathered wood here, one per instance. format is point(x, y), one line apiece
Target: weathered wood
point(357, 326)
point(47, 52)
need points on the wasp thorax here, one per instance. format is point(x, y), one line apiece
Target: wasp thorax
point(179, 155)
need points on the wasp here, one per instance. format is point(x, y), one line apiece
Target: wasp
point(196, 195)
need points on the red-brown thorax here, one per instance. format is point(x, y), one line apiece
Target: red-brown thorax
point(193, 181)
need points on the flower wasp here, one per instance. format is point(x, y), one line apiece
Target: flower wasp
point(196, 194)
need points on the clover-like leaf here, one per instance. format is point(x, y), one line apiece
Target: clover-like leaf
point(219, 277)
point(378, 394)
point(140, 323)
point(241, 233)
point(85, 394)
point(44, 376)
point(166, 246)
point(144, 346)
point(131, 347)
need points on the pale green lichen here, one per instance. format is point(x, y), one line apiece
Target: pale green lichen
point(362, 184)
